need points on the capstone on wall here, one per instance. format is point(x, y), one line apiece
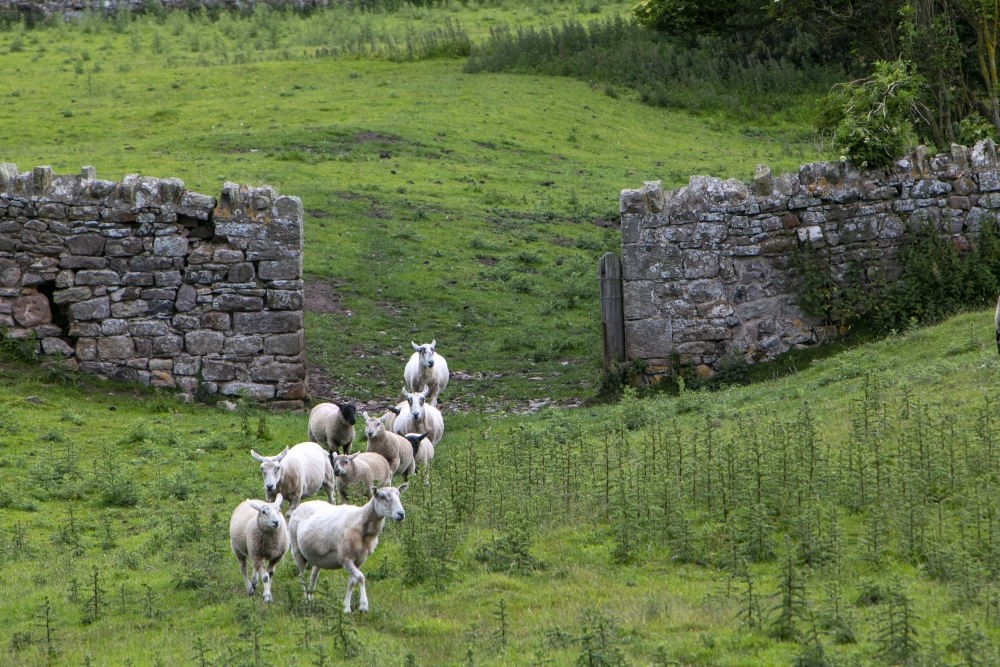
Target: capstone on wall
point(707, 269)
point(144, 281)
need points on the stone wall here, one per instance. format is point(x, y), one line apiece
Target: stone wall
point(144, 281)
point(707, 269)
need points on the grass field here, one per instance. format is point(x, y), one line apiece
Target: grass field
point(506, 186)
point(864, 487)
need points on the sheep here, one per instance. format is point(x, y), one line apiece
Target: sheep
point(426, 368)
point(394, 448)
point(360, 469)
point(418, 417)
point(331, 537)
point(389, 418)
point(423, 448)
point(257, 531)
point(297, 473)
point(996, 321)
point(332, 425)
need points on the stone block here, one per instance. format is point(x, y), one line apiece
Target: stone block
point(649, 339)
point(166, 346)
point(231, 302)
point(86, 349)
point(94, 309)
point(186, 365)
point(99, 277)
point(762, 180)
point(243, 345)
point(200, 343)
point(114, 327)
point(31, 310)
point(168, 278)
point(291, 390)
point(287, 269)
point(162, 379)
point(127, 309)
point(187, 299)
point(10, 273)
point(149, 328)
point(267, 322)
point(124, 247)
point(84, 329)
point(217, 321)
point(170, 246)
point(286, 344)
point(700, 264)
point(145, 263)
point(186, 322)
point(242, 273)
point(86, 244)
point(260, 392)
point(78, 262)
point(138, 279)
point(188, 385)
point(278, 372)
point(115, 347)
point(53, 345)
point(284, 300)
point(217, 370)
point(161, 364)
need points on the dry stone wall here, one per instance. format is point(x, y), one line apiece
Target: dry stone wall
point(145, 281)
point(707, 269)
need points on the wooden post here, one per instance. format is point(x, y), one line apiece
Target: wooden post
point(609, 272)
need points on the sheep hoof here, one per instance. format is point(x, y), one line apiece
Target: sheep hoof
point(347, 609)
point(268, 598)
point(363, 610)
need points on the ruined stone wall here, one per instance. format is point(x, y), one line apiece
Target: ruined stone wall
point(707, 268)
point(144, 281)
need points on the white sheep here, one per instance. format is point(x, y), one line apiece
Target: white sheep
point(389, 418)
point(419, 417)
point(331, 537)
point(395, 448)
point(426, 368)
point(423, 448)
point(332, 425)
point(361, 469)
point(996, 321)
point(297, 473)
point(257, 531)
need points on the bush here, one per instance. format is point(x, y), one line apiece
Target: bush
point(869, 118)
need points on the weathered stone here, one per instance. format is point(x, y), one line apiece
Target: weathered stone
point(115, 347)
point(285, 344)
point(170, 246)
point(185, 365)
point(125, 247)
point(127, 309)
point(168, 278)
point(75, 262)
point(217, 321)
point(187, 299)
point(231, 302)
point(217, 370)
point(162, 379)
point(291, 390)
point(10, 273)
point(277, 372)
point(97, 278)
point(86, 244)
point(94, 309)
point(267, 322)
point(288, 269)
point(167, 346)
point(148, 328)
point(242, 273)
point(260, 392)
point(114, 327)
point(243, 345)
point(53, 345)
point(762, 181)
point(204, 342)
point(86, 349)
point(32, 310)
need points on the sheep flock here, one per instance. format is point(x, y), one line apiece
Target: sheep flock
point(325, 534)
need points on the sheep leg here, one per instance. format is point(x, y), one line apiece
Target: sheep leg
point(360, 579)
point(293, 503)
point(312, 580)
point(265, 577)
point(351, 579)
point(243, 570)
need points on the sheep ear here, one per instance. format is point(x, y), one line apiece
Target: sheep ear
point(354, 456)
point(374, 490)
point(403, 487)
point(433, 344)
point(364, 413)
point(282, 455)
point(415, 346)
point(256, 456)
point(425, 435)
point(426, 390)
point(278, 500)
point(393, 410)
point(256, 506)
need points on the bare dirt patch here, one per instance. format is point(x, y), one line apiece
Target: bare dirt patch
point(362, 137)
point(322, 297)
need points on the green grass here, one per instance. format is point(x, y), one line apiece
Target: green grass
point(167, 581)
point(505, 185)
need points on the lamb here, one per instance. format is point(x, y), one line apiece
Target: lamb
point(257, 531)
point(426, 368)
point(332, 425)
point(423, 448)
point(420, 417)
point(996, 321)
point(297, 473)
point(394, 448)
point(362, 469)
point(331, 537)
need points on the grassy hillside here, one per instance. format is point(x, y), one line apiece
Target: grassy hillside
point(843, 515)
point(466, 208)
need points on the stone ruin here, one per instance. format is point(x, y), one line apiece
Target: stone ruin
point(144, 281)
point(707, 269)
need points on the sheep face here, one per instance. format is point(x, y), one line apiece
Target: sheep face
point(348, 412)
point(268, 514)
point(373, 427)
point(416, 402)
point(387, 503)
point(270, 468)
point(426, 353)
point(342, 463)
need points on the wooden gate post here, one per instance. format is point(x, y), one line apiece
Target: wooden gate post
point(609, 272)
